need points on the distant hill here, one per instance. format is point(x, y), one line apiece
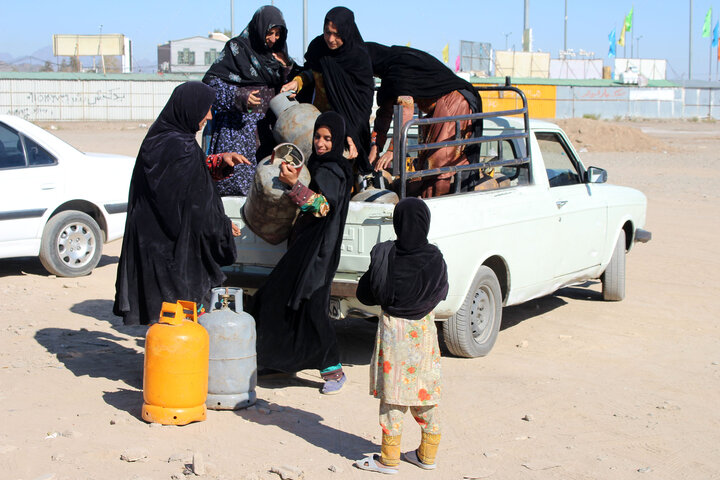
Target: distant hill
point(36, 60)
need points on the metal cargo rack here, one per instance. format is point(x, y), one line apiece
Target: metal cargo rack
point(400, 138)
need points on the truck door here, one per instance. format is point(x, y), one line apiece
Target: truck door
point(581, 215)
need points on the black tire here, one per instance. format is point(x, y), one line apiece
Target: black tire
point(613, 278)
point(472, 331)
point(71, 244)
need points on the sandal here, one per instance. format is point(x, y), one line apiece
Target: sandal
point(372, 464)
point(411, 457)
point(332, 387)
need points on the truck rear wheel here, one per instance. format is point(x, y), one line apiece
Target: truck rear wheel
point(472, 331)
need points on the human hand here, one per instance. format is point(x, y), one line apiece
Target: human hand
point(280, 58)
point(253, 99)
point(232, 158)
point(236, 232)
point(384, 161)
point(288, 175)
point(352, 149)
point(373, 154)
point(291, 86)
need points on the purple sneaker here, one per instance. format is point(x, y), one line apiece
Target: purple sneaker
point(332, 387)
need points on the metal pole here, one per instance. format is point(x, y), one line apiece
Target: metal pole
point(526, 25)
point(305, 28)
point(565, 37)
point(690, 43)
point(232, 29)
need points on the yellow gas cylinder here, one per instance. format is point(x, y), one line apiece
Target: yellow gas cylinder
point(175, 379)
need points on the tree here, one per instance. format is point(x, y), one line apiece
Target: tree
point(47, 67)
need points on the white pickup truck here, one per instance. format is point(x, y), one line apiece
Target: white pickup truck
point(550, 222)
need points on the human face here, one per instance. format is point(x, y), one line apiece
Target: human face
point(332, 37)
point(208, 116)
point(272, 36)
point(322, 140)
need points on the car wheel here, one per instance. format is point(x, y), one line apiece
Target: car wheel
point(613, 278)
point(71, 244)
point(472, 331)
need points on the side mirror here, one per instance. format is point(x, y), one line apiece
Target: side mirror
point(596, 175)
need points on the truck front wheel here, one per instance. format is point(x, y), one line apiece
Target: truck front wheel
point(472, 331)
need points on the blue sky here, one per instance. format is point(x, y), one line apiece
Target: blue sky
point(662, 27)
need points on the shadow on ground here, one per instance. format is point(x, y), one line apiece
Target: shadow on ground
point(32, 265)
point(100, 354)
point(309, 427)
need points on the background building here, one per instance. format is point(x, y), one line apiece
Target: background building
point(190, 55)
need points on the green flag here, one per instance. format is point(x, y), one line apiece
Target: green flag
point(706, 25)
point(628, 20)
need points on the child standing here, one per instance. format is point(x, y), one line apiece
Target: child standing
point(407, 278)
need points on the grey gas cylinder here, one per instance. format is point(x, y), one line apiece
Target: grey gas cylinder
point(295, 122)
point(232, 374)
point(268, 211)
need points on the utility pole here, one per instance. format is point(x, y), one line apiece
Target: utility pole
point(690, 43)
point(565, 37)
point(305, 28)
point(526, 28)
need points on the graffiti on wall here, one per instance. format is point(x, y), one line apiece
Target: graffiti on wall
point(603, 93)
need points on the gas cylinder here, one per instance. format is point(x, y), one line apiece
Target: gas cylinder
point(232, 373)
point(295, 122)
point(175, 377)
point(268, 211)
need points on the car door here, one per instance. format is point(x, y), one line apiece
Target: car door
point(29, 179)
point(581, 211)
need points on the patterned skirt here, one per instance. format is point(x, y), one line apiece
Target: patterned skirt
point(405, 369)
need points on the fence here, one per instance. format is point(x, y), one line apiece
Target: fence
point(92, 97)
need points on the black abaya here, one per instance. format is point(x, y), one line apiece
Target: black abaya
point(176, 234)
point(294, 330)
point(348, 77)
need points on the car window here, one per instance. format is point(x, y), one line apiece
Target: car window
point(504, 150)
point(11, 151)
point(36, 155)
point(559, 163)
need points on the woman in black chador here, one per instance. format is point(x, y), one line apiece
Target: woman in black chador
point(338, 76)
point(294, 330)
point(177, 234)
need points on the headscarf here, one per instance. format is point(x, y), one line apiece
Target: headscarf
point(246, 60)
point(348, 78)
point(407, 277)
point(336, 124)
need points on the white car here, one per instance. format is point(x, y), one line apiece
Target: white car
point(547, 222)
point(56, 202)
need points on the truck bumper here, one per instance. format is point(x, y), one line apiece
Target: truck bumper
point(642, 236)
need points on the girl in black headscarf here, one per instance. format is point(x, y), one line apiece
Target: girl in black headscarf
point(176, 234)
point(294, 330)
point(407, 278)
point(410, 76)
point(247, 73)
point(338, 76)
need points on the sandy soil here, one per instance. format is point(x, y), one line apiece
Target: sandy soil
point(575, 388)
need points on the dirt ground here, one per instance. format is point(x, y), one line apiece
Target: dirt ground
point(575, 388)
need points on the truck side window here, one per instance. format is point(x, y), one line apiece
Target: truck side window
point(559, 163)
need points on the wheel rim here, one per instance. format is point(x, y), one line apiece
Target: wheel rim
point(482, 313)
point(76, 245)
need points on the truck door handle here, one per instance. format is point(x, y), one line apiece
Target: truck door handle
point(560, 203)
point(47, 186)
